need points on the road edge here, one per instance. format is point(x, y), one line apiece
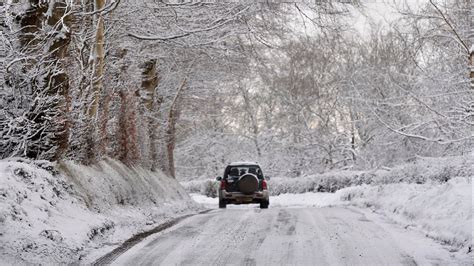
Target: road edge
point(137, 238)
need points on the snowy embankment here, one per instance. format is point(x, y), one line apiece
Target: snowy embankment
point(441, 211)
point(69, 213)
point(431, 195)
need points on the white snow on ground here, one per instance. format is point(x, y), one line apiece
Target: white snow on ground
point(440, 211)
point(289, 236)
point(68, 213)
point(306, 199)
point(284, 200)
point(79, 213)
point(430, 195)
point(206, 201)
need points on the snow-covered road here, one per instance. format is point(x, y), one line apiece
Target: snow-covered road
point(245, 235)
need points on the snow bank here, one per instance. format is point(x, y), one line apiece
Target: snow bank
point(441, 211)
point(207, 187)
point(419, 171)
point(67, 213)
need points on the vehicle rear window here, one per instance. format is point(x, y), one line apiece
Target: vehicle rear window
point(236, 171)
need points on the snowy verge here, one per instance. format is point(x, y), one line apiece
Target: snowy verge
point(419, 171)
point(442, 211)
point(69, 213)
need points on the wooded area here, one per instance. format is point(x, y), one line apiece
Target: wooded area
point(188, 86)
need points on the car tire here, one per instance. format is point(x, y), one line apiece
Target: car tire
point(264, 205)
point(222, 204)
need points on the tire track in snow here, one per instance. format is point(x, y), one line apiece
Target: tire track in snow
point(111, 256)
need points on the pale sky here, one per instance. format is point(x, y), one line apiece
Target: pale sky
point(381, 12)
point(378, 12)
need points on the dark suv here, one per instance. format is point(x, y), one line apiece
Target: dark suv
point(243, 183)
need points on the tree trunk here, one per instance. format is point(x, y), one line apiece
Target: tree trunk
point(353, 117)
point(96, 85)
point(98, 66)
point(127, 130)
point(253, 120)
point(150, 81)
point(47, 19)
point(471, 41)
point(3, 47)
point(59, 80)
point(472, 66)
point(173, 116)
point(104, 118)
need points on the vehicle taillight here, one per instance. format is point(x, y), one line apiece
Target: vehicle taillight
point(264, 184)
point(223, 184)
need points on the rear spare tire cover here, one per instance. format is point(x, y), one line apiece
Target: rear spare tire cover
point(248, 184)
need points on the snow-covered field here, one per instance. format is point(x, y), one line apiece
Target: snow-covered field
point(69, 213)
point(442, 211)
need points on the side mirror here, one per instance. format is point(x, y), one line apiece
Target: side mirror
point(219, 178)
point(267, 177)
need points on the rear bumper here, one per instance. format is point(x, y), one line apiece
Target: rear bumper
point(240, 198)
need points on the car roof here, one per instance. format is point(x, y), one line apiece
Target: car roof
point(243, 164)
